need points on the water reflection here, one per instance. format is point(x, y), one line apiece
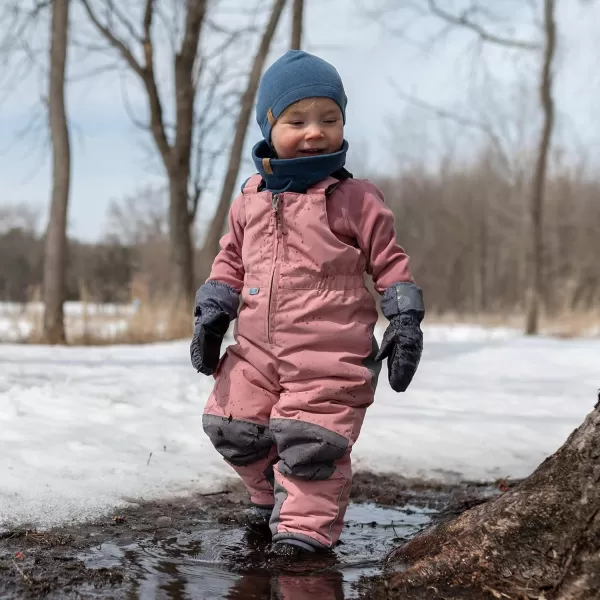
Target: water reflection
point(328, 586)
point(220, 562)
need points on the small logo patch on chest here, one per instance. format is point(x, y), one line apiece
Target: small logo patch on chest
point(253, 291)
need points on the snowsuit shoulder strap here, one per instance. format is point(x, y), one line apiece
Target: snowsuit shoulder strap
point(252, 184)
point(324, 187)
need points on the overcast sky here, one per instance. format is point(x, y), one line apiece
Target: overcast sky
point(111, 156)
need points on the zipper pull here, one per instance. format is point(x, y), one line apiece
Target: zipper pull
point(275, 208)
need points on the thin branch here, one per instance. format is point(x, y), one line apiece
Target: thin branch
point(146, 72)
point(36, 120)
point(169, 24)
point(459, 119)
point(129, 110)
point(124, 21)
point(22, 573)
point(114, 40)
point(148, 19)
point(93, 72)
point(211, 24)
point(233, 37)
point(465, 22)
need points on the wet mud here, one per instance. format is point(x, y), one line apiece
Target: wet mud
point(198, 548)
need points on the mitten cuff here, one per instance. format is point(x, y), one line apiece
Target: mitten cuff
point(401, 298)
point(214, 297)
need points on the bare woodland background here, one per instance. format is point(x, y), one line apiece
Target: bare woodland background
point(508, 231)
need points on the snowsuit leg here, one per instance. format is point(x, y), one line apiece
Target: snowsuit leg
point(312, 510)
point(328, 379)
point(236, 418)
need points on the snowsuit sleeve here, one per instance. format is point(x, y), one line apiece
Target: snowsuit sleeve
point(372, 223)
point(228, 266)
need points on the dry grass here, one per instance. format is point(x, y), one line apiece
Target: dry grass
point(160, 319)
point(89, 324)
point(566, 324)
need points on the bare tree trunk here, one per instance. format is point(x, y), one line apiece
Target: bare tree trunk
point(180, 236)
point(210, 247)
point(297, 21)
point(540, 539)
point(535, 254)
point(176, 156)
point(178, 160)
point(56, 235)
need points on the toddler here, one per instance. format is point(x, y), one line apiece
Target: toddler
point(290, 395)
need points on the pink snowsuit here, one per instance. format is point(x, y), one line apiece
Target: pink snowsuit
point(290, 395)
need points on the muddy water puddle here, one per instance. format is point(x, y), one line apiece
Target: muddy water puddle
point(214, 561)
point(196, 547)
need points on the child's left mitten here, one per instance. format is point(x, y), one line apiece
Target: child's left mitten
point(402, 344)
point(216, 307)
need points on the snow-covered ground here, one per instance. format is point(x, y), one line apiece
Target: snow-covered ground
point(82, 429)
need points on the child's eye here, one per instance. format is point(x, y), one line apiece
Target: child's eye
point(330, 121)
point(297, 123)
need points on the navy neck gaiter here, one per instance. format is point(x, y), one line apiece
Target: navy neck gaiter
point(295, 174)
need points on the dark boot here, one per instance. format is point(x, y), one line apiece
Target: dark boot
point(292, 549)
point(256, 518)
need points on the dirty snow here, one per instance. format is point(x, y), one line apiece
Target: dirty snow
point(84, 429)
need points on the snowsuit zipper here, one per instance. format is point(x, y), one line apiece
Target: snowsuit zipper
point(275, 217)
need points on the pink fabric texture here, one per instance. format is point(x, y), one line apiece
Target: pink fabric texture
point(302, 362)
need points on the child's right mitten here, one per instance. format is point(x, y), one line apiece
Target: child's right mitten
point(216, 307)
point(402, 344)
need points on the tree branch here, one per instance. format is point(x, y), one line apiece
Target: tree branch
point(193, 22)
point(124, 21)
point(185, 60)
point(114, 40)
point(459, 119)
point(129, 110)
point(145, 72)
point(465, 22)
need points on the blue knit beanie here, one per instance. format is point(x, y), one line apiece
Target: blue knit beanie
point(295, 76)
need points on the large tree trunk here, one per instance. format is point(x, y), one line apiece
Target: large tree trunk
point(541, 539)
point(297, 21)
point(535, 254)
point(55, 258)
point(210, 247)
point(176, 155)
point(177, 162)
point(180, 236)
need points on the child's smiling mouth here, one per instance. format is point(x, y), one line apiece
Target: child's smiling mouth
point(311, 151)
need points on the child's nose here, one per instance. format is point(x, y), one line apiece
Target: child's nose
point(314, 131)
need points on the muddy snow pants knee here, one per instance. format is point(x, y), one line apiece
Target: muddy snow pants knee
point(236, 419)
point(313, 479)
point(285, 417)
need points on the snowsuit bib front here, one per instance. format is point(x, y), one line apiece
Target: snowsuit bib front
point(291, 394)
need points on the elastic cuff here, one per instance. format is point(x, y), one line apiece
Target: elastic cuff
point(218, 297)
point(299, 539)
point(400, 298)
point(299, 543)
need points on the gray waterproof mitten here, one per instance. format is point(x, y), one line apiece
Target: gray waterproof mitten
point(216, 307)
point(402, 344)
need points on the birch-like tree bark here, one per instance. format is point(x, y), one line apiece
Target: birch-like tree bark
point(55, 259)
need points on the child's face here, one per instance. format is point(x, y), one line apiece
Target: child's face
point(307, 128)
